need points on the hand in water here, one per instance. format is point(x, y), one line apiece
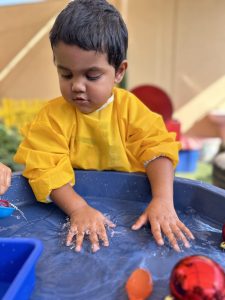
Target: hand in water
point(163, 219)
point(87, 220)
point(5, 178)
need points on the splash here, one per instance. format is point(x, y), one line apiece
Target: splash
point(20, 211)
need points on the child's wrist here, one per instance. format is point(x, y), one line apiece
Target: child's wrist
point(79, 205)
point(162, 198)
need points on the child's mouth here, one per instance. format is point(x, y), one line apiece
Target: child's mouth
point(80, 101)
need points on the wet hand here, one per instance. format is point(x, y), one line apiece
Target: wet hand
point(163, 219)
point(89, 221)
point(5, 178)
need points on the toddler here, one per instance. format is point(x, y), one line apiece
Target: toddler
point(95, 125)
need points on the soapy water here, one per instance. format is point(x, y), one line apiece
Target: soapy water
point(104, 273)
point(111, 232)
point(20, 211)
point(207, 236)
point(7, 204)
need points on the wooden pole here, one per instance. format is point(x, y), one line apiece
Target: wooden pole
point(27, 48)
point(198, 107)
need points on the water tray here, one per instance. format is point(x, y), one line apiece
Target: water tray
point(61, 273)
point(17, 267)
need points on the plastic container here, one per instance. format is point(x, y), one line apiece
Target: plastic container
point(17, 267)
point(6, 209)
point(188, 160)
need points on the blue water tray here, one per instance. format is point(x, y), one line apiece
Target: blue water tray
point(61, 273)
point(18, 257)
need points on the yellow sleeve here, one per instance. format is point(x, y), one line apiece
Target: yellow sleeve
point(148, 137)
point(45, 153)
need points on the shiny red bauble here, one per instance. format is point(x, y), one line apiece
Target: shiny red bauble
point(197, 278)
point(223, 233)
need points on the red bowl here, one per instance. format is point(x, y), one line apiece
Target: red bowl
point(4, 203)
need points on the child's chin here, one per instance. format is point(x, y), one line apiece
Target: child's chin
point(85, 110)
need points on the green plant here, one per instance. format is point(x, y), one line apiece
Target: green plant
point(9, 141)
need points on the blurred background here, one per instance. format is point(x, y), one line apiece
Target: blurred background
point(176, 58)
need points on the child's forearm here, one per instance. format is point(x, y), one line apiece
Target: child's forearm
point(161, 174)
point(67, 199)
point(161, 212)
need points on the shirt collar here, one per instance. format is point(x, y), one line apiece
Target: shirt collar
point(106, 103)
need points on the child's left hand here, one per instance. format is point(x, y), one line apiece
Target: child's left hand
point(163, 219)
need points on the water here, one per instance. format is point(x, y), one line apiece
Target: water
point(20, 211)
point(62, 273)
point(14, 206)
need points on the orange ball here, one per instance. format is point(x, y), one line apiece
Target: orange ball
point(139, 285)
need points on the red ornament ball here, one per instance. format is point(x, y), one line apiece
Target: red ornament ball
point(223, 233)
point(197, 278)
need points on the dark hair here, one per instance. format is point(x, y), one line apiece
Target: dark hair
point(92, 25)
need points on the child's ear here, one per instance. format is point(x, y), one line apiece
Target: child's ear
point(121, 71)
point(54, 59)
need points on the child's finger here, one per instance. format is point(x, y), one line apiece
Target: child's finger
point(72, 231)
point(187, 232)
point(156, 232)
point(109, 223)
point(8, 178)
point(3, 188)
point(79, 241)
point(94, 241)
point(103, 236)
point(5, 179)
point(142, 220)
point(2, 179)
point(171, 237)
point(180, 236)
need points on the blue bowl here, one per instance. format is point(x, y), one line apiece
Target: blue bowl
point(6, 211)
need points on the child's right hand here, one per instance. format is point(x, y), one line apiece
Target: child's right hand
point(87, 220)
point(5, 178)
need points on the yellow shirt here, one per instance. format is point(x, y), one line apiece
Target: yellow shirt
point(122, 136)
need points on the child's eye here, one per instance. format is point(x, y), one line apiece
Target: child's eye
point(93, 78)
point(66, 76)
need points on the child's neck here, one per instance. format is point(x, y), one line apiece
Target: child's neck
point(106, 103)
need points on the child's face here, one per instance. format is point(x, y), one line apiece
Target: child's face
point(86, 78)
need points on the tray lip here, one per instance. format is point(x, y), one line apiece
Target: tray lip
point(201, 185)
point(29, 264)
point(196, 183)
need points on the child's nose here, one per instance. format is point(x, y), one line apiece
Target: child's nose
point(78, 85)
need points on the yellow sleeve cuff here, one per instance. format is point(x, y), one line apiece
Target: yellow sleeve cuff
point(52, 179)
